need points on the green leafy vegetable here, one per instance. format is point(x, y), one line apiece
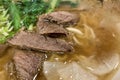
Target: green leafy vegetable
point(30, 9)
point(13, 12)
point(52, 5)
point(22, 13)
point(15, 16)
point(5, 25)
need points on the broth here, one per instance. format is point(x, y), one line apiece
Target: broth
point(98, 44)
point(4, 60)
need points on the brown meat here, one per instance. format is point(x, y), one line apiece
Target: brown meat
point(50, 29)
point(27, 64)
point(60, 17)
point(27, 40)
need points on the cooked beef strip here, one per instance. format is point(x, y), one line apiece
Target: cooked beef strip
point(27, 40)
point(11, 70)
point(61, 18)
point(50, 29)
point(27, 64)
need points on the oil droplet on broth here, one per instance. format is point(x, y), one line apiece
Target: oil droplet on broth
point(46, 72)
point(61, 78)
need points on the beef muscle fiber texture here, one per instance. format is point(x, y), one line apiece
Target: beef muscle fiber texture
point(27, 40)
point(50, 29)
point(27, 63)
point(61, 17)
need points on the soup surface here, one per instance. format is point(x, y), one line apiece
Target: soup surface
point(95, 39)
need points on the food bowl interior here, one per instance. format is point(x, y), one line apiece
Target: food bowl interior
point(95, 41)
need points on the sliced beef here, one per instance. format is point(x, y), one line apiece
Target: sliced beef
point(10, 67)
point(27, 40)
point(27, 64)
point(60, 17)
point(50, 29)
